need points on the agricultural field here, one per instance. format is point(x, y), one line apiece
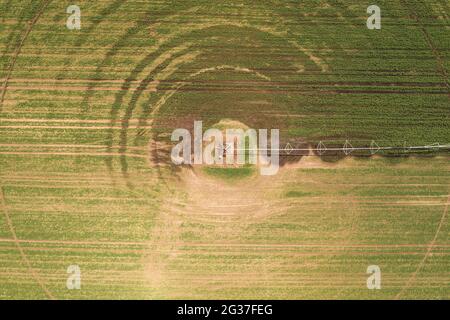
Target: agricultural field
point(86, 177)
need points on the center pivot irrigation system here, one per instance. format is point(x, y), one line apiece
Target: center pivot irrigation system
point(348, 148)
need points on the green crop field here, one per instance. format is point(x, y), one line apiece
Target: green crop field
point(86, 179)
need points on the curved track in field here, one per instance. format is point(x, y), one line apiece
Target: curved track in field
point(24, 37)
point(428, 252)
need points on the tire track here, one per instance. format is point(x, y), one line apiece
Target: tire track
point(33, 272)
point(18, 49)
point(431, 245)
point(435, 52)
